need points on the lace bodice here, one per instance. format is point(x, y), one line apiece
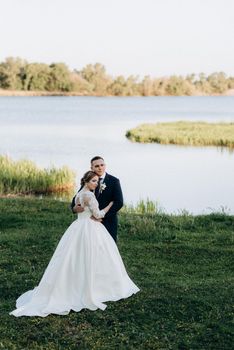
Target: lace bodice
point(89, 202)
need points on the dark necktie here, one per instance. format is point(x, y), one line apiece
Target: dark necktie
point(97, 191)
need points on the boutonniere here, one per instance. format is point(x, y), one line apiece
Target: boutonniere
point(102, 187)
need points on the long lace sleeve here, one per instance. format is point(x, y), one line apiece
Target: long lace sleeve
point(90, 201)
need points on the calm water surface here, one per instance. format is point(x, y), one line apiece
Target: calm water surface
point(71, 130)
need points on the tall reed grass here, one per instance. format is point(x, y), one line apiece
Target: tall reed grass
point(24, 177)
point(142, 207)
point(185, 133)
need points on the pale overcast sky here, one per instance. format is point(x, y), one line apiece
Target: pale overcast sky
point(139, 37)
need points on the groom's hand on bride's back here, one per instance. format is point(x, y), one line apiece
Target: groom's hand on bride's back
point(77, 209)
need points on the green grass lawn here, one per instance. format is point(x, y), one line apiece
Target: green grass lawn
point(185, 133)
point(182, 264)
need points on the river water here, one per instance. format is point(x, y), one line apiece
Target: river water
point(71, 130)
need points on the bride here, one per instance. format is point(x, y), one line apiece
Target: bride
point(86, 268)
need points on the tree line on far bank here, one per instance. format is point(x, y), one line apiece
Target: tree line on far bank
point(18, 74)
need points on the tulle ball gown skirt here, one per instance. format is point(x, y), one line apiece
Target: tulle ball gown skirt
point(85, 271)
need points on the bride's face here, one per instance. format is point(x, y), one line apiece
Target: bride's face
point(92, 184)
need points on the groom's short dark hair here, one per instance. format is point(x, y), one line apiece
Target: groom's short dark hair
point(96, 158)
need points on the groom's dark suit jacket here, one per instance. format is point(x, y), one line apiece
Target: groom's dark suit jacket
point(112, 192)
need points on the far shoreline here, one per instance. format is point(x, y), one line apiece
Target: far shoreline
point(20, 93)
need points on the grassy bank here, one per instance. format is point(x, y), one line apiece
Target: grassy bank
point(183, 265)
point(185, 133)
point(24, 177)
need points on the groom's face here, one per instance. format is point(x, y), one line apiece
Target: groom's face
point(98, 166)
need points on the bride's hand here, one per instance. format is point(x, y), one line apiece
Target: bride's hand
point(107, 208)
point(95, 219)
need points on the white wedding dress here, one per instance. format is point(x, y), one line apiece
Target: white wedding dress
point(85, 270)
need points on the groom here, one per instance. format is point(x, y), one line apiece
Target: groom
point(108, 190)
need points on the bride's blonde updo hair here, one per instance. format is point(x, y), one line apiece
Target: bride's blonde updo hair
point(87, 177)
